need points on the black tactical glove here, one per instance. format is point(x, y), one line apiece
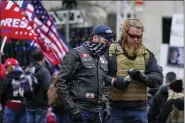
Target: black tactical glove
point(122, 82)
point(136, 75)
point(106, 115)
point(75, 115)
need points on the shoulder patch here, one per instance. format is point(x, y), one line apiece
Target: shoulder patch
point(84, 55)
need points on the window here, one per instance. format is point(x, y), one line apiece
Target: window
point(166, 28)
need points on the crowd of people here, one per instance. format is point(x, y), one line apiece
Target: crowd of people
point(101, 81)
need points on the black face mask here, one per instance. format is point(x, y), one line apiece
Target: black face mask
point(97, 48)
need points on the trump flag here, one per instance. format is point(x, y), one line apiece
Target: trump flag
point(14, 23)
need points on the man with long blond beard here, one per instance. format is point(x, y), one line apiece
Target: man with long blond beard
point(130, 59)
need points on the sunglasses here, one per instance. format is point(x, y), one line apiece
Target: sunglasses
point(134, 36)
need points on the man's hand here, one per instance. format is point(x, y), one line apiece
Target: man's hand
point(122, 82)
point(136, 75)
point(75, 114)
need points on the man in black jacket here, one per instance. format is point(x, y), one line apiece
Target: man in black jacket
point(160, 97)
point(130, 58)
point(81, 81)
point(37, 107)
point(172, 111)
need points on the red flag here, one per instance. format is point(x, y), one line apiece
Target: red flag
point(14, 23)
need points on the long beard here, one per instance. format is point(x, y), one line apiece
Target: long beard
point(133, 49)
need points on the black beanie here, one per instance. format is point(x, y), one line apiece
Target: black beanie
point(177, 86)
point(37, 55)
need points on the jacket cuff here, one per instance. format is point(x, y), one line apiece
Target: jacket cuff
point(108, 80)
point(145, 80)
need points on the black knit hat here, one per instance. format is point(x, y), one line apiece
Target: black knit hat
point(37, 55)
point(177, 86)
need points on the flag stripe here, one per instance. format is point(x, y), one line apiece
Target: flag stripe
point(62, 42)
point(50, 40)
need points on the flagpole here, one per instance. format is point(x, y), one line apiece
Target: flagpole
point(2, 47)
point(67, 26)
point(3, 44)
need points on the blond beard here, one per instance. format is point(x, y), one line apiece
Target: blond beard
point(133, 49)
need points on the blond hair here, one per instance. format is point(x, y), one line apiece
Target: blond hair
point(130, 23)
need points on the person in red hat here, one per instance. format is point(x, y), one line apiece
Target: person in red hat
point(10, 64)
point(10, 97)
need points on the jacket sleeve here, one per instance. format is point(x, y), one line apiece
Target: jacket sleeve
point(112, 68)
point(112, 65)
point(3, 90)
point(46, 78)
point(153, 73)
point(164, 112)
point(68, 68)
point(105, 100)
point(108, 80)
point(157, 102)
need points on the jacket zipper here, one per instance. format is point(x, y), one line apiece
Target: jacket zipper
point(78, 87)
point(98, 80)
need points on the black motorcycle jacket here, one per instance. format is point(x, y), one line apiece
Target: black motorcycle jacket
point(81, 80)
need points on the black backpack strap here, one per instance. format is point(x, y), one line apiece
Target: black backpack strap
point(36, 70)
point(39, 78)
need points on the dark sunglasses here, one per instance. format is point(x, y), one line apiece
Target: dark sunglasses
point(134, 36)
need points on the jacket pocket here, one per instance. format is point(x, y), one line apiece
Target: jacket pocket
point(89, 65)
point(104, 67)
point(74, 91)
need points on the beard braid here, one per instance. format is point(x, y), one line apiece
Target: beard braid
point(133, 49)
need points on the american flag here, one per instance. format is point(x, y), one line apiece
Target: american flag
point(44, 27)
